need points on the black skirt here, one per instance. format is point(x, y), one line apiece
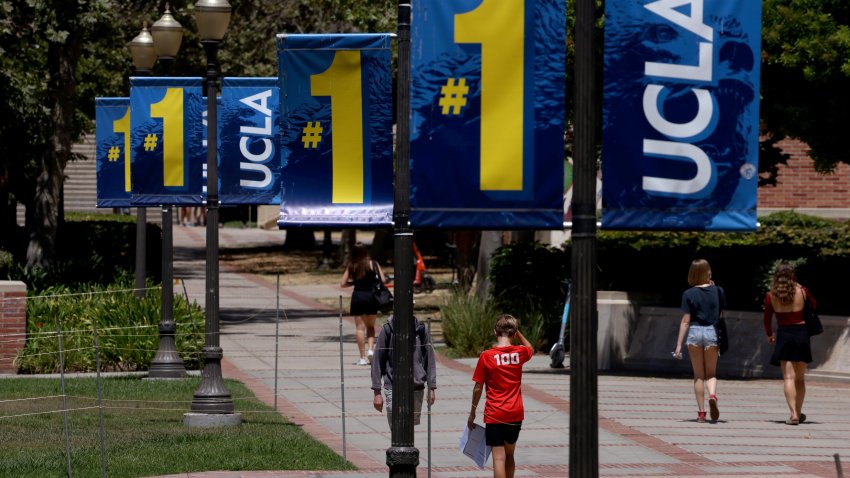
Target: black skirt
point(363, 303)
point(792, 344)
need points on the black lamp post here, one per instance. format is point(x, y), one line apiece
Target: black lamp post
point(142, 49)
point(584, 406)
point(213, 17)
point(167, 36)
point(402, 456)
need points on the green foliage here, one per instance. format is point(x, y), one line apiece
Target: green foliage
point(467, 323)
point(7, 261)
point(658, 262)
point(93, 248)
point(805, 70)
point(527, 277)
point(145, 432)
point(127, 329)
point(528, 282)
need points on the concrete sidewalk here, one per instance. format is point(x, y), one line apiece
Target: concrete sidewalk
point(647, 426)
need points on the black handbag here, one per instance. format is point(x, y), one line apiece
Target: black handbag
point(382, 296)
point(813, 325)
point(720, 328)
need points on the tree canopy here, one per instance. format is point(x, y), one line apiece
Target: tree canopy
point(806, 73)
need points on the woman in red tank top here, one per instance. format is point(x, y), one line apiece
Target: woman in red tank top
point(792, 350)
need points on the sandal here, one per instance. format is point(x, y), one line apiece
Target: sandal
point(802, 418)
point(712, 404)
point(792, 421)
point(700, 417)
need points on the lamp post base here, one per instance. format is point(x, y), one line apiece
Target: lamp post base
point(403, 461)
point(212, 396)
point(216, 420)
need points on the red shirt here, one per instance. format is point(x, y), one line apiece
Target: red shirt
point(500, 369)
point(784, 319)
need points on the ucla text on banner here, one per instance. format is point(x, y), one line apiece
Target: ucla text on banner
point(166, 141)
point(336, 133)
point(249, 134)
point(112, 151)
point(487, 114)
point(681, 111)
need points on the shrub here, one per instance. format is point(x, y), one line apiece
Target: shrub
point(93, 248)
point(7, 261)
point(528, 281)
point(657, 262)
point(127, 329)
point(467, 324)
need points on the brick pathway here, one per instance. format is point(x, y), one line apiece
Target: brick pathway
point(647, 425)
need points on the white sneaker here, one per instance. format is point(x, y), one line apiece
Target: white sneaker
point(362, 361)
point(369, 355)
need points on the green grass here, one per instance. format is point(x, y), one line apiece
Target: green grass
point(144, 432)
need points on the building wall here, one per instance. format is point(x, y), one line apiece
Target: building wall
point(800, 187)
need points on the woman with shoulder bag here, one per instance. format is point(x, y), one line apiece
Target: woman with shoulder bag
point(787, 300)
point(703, 305)
point(363, 273)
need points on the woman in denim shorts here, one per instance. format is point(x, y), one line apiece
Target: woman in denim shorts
point(703, 305)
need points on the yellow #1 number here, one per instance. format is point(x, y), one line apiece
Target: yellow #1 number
point(123, 126)
point(170, 109)
point(342, 82)
point(496, 25)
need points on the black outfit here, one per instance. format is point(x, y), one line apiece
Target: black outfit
point(363, 299)
point(792, 344)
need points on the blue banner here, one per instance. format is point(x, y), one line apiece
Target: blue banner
point(167, 155)
point(249, 136)
point(681, 114)
point(112, 151)
point(336, 131)
point(487, 114)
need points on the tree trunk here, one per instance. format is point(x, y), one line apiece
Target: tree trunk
point(490, 241)
point(298, 239)
point(61, 91)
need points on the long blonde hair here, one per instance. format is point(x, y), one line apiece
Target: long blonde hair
point(784, 284)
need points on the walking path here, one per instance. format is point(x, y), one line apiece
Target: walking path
point(647, 425)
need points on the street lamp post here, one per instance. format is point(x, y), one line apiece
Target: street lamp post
point(142, 49)
point(167, 36)
point(402, 456)
point(584, 406)
point(212, 397)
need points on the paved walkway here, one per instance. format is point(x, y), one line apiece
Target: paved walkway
point(647, 425)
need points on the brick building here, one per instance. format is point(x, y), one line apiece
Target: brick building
point(801, 188)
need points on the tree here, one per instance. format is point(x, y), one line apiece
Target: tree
point(805, 74)
point(42, 43)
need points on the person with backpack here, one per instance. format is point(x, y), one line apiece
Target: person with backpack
point(424, 370)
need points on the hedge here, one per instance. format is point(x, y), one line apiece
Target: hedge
point(657, 263)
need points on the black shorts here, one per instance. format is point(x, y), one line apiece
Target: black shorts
point(497, 434)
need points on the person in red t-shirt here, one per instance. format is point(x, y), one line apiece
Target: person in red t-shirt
point(500, 369)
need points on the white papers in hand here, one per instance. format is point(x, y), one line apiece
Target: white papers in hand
point(473, 444)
